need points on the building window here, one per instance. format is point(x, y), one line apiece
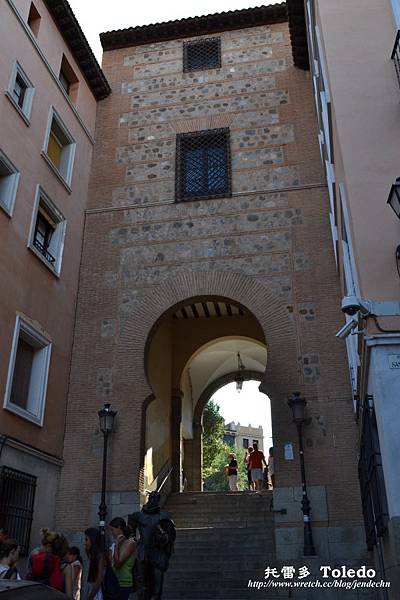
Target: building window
point(59, 147)
point(201, 55)
point(9, 177)
point(17, 498)
point(20, 92)
point(245, 443)
point(27, 373)
point(68, 79)
point(34, 20)
point(203, 165)
point(47, 232)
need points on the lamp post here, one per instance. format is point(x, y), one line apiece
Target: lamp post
point(298, 404)
point(106, 419)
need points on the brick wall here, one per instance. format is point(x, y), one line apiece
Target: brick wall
point(268, 247)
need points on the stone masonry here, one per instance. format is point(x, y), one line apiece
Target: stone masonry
point(268, 247)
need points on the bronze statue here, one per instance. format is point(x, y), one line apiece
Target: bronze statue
point(154, 547)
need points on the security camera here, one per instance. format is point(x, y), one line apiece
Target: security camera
point(347, 328)
point(351, 305)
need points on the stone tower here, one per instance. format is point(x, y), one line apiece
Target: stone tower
point(208, 231)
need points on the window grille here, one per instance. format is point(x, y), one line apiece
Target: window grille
point(42, 237)
point(372, 484)
point(17, 496)
point(203, 165)
point(201, 55)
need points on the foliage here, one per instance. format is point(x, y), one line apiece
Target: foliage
point(216, 452)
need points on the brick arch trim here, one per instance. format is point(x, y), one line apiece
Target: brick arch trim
point(139, 327)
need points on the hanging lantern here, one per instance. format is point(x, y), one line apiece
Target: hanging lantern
point(239, 379)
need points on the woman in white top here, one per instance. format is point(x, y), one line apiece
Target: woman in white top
point(9, 554)
point(72, 573)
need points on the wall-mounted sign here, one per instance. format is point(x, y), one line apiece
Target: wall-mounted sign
point(394, 361)
point(288, 451)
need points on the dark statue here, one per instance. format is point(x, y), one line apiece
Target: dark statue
point(154, 547)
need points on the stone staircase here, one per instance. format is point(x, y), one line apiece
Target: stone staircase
point(223, 540)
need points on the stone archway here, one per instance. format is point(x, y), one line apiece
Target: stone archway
point(282, 374)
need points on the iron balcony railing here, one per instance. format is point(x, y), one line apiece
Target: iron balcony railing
point(396, 56)
point(44, 251)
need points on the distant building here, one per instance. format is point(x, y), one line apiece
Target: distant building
point(240, 436)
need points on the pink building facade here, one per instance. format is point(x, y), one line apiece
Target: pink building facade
point(50, 84)
point(354, 47)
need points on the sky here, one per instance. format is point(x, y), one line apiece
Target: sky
point(96, 16)
point(248, 407)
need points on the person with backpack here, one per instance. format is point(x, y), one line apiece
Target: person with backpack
point(103, 583)
point(122, 555)
point(9, 554)
point(44, 564)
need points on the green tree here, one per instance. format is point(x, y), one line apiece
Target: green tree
point(216, 452)
point(213, 432)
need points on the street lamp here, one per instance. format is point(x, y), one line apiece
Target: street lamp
point(394, 197)
point(394, 203)
point(106, 419)
point(298, 404)
point(239, 379)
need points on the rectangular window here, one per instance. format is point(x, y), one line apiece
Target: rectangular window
point(245, 443)
point(28, 372)
point(47, 232)
point(68, 79)
point(59, 147)
point(203, 165)
point(201, 55)
point(20, 92)
point(9, 177)
point(34, 20)
point(17, 499)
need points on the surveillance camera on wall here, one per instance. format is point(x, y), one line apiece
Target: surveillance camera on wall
point(351, 305)
point(346, 330)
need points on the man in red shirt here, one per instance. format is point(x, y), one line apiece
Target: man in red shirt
point(256, 461)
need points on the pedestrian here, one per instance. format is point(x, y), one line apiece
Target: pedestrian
point(97, 563)
point(72, 573)
point(9, 554)
point(248, 471)
point(256, 461)
point(271, 467)
point(44, 564)
point(232, 473)
point(122, 555)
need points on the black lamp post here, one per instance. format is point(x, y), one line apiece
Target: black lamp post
point(298, 404)
point(106, 419)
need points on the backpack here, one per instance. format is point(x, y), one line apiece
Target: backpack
point(110, 586)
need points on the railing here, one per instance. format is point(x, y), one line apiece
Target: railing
point(44, 251)
point(17, 496)
point(396, 56)
point(161, 482)
point(373, 493)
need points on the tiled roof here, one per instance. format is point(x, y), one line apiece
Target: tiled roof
point(291, 11)
point(73, 35)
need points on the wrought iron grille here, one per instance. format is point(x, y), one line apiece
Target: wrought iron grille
point(396, 56)
point(370, 471)
point(204, 54)
point(17, 496)
point(203, 165)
